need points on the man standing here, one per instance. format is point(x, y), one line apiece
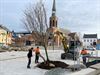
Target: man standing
point(37, 53)
point(84, 53)
point(29, 55)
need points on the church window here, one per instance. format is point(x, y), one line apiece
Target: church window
point(53, 23)
point(56, 23)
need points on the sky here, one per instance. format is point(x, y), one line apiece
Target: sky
point(82, 16)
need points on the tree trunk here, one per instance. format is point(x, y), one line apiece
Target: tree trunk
point(46, 52)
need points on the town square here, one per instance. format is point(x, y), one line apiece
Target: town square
point(49, 37)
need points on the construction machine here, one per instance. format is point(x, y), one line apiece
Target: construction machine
point(70, 48)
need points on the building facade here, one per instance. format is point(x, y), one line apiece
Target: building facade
point(89, 40)
point(22, 39)
point(5, 36)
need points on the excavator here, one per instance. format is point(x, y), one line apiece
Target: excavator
point(70, 47)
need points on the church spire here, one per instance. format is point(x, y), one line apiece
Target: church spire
point(53, 18)
point(54, 8)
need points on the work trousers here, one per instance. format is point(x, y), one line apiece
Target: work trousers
point(29, 62)
point(36, 57)
point(84, 60)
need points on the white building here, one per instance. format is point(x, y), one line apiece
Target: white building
point(89, 39)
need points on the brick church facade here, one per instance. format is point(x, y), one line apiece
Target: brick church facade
point(53, 27)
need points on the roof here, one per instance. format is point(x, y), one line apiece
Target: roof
point(23, 32)
point(3, 27)
point(90, 36)
point(65, 31)
point(74, 36)
point(54, 6)
point(54, 29)
point(17, 34)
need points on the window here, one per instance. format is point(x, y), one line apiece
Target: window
point(53, 23)
point(87, 40)
point(94, 40)
point(90, 40)
point(94, 43)
point(56, 23)
point(84, 40)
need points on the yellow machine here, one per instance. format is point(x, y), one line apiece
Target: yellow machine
point(64, 42)
point(69, 47)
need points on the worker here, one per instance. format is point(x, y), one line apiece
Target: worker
point(84, 54)
point(37, 54)
point(29, 55)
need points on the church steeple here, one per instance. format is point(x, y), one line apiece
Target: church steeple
point(54, 8)
point(53, 27)
point(53, 18)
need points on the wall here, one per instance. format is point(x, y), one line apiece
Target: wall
point(5, 38)
point(88, 43)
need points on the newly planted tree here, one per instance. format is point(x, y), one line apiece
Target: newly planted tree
point(35, 20)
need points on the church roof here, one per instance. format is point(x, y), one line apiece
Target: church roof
point(54, 29)
point(65, 31)
point(54, 6)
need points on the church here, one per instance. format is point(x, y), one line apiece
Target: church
point(53, 27)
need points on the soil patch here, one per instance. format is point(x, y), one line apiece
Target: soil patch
point(52, 64)
point(2, 51)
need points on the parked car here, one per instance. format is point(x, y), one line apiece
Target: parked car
point(91, 48)
point(5, 47)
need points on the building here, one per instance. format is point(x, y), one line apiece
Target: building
point(53, 27)
point(98, 41)
point(98, 44)
point(22, 38)
point(89, 40)
point(5, 36)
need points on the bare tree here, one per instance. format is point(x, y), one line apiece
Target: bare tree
point(35, 20)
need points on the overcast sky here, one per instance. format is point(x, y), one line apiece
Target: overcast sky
point(76, 15)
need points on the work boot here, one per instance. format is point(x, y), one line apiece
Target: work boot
point(28, 67)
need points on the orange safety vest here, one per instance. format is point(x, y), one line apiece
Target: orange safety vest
point(83, 52)
point(37, 50)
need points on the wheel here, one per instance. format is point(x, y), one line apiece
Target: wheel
point(63, 55)
point(69, 55)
